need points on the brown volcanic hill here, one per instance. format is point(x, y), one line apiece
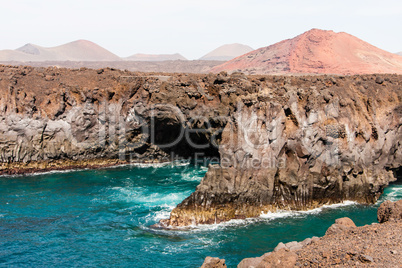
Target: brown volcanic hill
point(155, 57)
point(318, 52)
point(227, 52)
point(80, 50)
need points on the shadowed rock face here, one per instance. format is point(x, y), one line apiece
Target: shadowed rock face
point(284, 142)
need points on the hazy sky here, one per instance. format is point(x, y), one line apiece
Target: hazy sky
point(193, 28)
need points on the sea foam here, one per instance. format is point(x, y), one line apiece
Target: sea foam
point(263, 217)
point(293, 213)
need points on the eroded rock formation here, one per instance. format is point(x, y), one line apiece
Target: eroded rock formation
point(298, 144)
point(53, 114)
point(284, 142)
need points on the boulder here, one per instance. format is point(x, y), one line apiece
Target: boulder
point(389, 211)
point(345, 222)
point(280, 246)
point(252, 262)
point(340, 225)
point(280, 259)
point(211, 262)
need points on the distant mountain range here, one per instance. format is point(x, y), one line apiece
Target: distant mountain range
point(313, 52)
point(227, 52)
point(81, 50)
point(155, 57)
point(318, 52)
point(399, 53)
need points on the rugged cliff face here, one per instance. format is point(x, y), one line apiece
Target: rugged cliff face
point(284, 141)
point(52, 115)
point(300, 143)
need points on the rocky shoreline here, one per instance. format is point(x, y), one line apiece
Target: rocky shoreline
point(8, 169)
point(282, 142)
point(344, 245)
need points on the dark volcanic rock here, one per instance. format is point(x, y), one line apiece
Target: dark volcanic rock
point(86, 114)
point(299, 148)
point(283, 142)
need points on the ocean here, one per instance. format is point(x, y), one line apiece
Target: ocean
point(102, 218)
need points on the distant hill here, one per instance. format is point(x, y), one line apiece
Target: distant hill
point(399, 53)
point(81, 50)
point(155, 57)
point(318, 52)
point(227, 52)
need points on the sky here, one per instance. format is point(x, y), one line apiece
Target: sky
point(193, 28)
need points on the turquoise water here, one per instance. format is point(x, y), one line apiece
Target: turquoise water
point(101, 218)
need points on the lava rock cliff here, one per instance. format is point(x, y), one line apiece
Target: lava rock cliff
point(287, 142)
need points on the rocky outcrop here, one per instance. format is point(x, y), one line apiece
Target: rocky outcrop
point(376, 245)
point(213, 263)
point(280, 259)
point(53, 114)
point(282, 256)
point(340, 225)
point(299, 146)
point(283, 142)
point(390, 211)
point(344, 245)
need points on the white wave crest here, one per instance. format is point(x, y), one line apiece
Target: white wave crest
point(142, 196)
point(178, 163)
point(44, 173)
point(292, 213)
point(263, 217)
point(394, 194)
point(162, 214)
point(195, 175)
